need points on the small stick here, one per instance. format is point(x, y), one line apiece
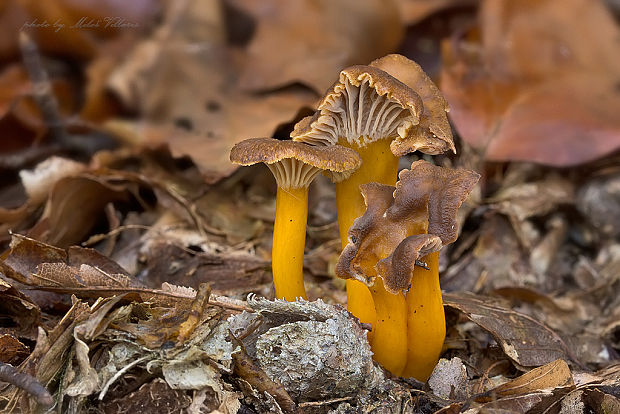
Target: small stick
point(120, 372)
point(326, 402)
point(253, 326)
point(487, 372)
point(26, 382)
point(251, 372)
point(42, 88)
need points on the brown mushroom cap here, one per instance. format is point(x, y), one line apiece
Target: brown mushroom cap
point(433, 134)
point(396, 270)
point(445, 188)
point(295, 164)
point(364, 105)
point(425, 200)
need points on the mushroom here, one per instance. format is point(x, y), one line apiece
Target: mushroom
point(402, 227)
point(381, 118)
point(294, 165)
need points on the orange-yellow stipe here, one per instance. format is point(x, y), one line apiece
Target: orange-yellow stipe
point(378, 165)
point(386, 312)
point(426, 322)
point(389, 340)
point(289, 239)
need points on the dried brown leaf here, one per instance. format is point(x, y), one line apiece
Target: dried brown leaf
point(524, 340)
point(196, 311)
point(552, 375)
point(229, 272)
point(23, 313)
point(413, 11)
point(172, 82)
point(534, 198)
point(540, 84)
point(311, 41)
point(73, 205)
point(38, 264)
point(13, 351)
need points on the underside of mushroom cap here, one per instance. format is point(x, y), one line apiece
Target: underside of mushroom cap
point(364, 105)
point(433, 134)
point(425, 200)
point(295, 164)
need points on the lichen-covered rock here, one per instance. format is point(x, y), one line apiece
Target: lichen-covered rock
point(318, 352)
point(314, 349)
point(315, 360)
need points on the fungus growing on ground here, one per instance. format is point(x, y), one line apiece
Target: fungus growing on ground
point(294, 165)
point(404, 226)
point(382, 119)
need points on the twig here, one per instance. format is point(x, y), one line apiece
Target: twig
point(487, 372)
point(326, 402)
point(253, 326)
point(106, 291)
point(42, 89)
point(247, 369)
point(98, 237)
point(120, 373)
point(26, 382)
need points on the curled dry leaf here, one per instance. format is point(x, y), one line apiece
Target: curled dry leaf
point(13, 351)
point(41, 265)
point(549, 376)
point(73, 204)
point(541, 85)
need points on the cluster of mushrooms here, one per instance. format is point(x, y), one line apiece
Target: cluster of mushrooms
point(391, 232)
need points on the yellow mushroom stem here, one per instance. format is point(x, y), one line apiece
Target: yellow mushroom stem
point(387, 313)
point(389, 340)
point(289, 239)
point(378, 165)
point(426, 322)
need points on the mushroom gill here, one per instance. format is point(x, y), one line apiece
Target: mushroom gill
point(293, 165)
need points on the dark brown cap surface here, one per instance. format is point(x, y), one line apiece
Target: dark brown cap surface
point(426, 199)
